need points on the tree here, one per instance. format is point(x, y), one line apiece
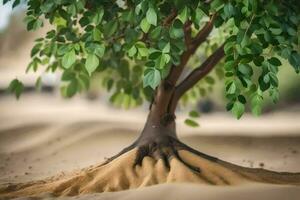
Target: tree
point(146, 50)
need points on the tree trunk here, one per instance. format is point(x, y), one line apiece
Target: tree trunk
point(158, 138)
point(160, 121)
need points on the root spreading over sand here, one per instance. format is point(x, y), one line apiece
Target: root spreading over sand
point(121, 175)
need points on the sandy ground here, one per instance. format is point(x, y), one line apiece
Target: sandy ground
point(42, 136)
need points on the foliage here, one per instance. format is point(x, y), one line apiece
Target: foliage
point(16, 87)
point(133, 44)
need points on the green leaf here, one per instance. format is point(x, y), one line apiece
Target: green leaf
point(96, 34)
point(91, 64)
point(245, 41)
point(199, 14)
point(69, 59)
point(109, 85)
point(285, 53)
point(60, 22)
point(100, 50)
point(152, 78)
point(143, 52)
point(256, 48)
point(273, 79)
point(38, 83)
point(98, 16)
point(162, 60)
point(229, 65)
point(276, 31)
point(63, 49)
point(154, 55)
point(245, 69)
point(36, 49)
point(266, 78)
point(34, 25)
point(95, 48)
point(191, 123)
point(242, 99)
point(71, 88)
point(253, 4)
point(166, 49)
point(274, 94)
point(47, 6)
point(110, 28)
point(68, 75)
point(258, 60)
point(128, 16)
point(217, 4)
point(229, 10)
point(140, 44)
point(210, 80)
point(176, 30)
point(238, 109)
point(155, 33)
point(228, 48)
point(16, 87)
point(274, 61)
point(71, 9)
point(145, 26)
point(264, 82)
point(256, 110)
point(138, 9)
point(151, 16)
point(84, 21)
point(231, 88)
point(83, 81)
point(256, 104)
point(240, 36)
point(291, 31)
point(142, 49)
point(294, 60)
point(132, 51)
point(194, 114)
point(5, 1)
point(184, 15)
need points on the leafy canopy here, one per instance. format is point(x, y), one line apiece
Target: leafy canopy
point(131, 45)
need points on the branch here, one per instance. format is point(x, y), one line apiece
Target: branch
point(192, 45)
point(167, 21)
point(188, 33)
point(203, 34)
point(165, 91)
point(197, 74)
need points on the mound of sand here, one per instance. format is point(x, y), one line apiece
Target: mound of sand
point(35, 144)
point(121, 175)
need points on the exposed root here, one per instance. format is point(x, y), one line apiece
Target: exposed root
point(147, 163)
point(165, 153)
point(165, 149)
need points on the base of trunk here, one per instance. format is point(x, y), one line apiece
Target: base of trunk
point(152, 159)
point(159, 144)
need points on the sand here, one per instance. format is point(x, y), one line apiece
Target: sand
point(193, 192)
point(60, 137)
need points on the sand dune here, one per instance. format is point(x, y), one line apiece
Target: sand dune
point(193, 192)
point(59, 137)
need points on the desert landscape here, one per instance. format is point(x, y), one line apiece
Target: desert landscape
point(61, 137)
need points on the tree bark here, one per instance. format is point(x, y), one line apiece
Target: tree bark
point(159, 116)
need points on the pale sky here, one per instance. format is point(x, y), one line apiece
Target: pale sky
point(5, 12)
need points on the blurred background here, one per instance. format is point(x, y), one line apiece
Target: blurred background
point(43, 133)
